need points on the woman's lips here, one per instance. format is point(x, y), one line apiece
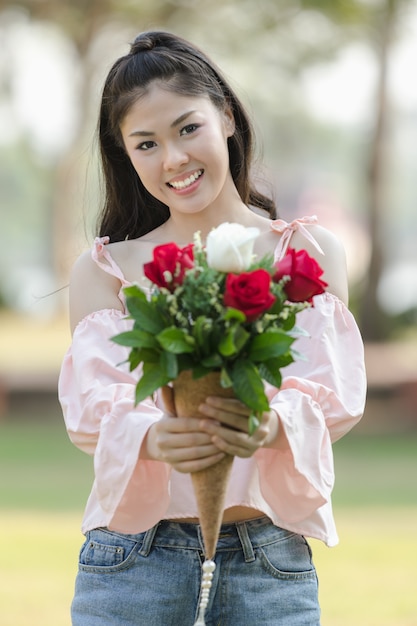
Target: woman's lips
point(186, 182)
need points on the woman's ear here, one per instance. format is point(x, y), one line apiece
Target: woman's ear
point(229, 122)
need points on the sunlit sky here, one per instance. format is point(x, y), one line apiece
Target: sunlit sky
point(44, 97)
point(342, 90)
point(44, 84)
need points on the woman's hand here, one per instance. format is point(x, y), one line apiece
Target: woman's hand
point(180, 441)
point(228, 426)
point(193, 443)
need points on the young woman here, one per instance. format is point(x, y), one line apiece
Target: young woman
point(176, 150)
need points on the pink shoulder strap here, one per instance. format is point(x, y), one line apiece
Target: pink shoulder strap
point(287, 229)
point(103, 258)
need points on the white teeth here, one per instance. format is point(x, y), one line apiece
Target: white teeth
point(182, 184)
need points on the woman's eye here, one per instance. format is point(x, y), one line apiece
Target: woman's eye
point(146, 145)
point(187, 130)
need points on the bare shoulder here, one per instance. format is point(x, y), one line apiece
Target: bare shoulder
point(91, 289)
point(327, 240)
point(333, 261)
point(131, 255)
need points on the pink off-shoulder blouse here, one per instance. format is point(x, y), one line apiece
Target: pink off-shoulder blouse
point(321, 398)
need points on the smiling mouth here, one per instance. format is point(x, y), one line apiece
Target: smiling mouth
point(187, 182)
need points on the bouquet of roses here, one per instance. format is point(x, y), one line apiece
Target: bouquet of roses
point(215, 308)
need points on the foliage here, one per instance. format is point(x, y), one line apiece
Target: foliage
point(283, 38)
point(203, 319)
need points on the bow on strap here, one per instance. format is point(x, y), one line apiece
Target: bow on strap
point(287, 229)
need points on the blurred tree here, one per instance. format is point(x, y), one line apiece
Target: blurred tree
point(257, 27)
point(378, 24)
point(385, 22)
point(83, 22)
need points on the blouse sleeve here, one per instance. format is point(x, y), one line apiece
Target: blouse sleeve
point(96, 391)
point(321, 398)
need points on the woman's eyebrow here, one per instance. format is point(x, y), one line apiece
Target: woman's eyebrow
point(181, 118)
point(148, 133)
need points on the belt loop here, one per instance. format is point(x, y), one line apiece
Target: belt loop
point(148, 540)
point(242, 531)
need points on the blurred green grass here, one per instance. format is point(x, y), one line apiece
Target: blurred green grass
point(376, 470)
point(368, 580)
point(41, 469)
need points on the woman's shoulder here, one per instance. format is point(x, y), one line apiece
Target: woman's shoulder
point(301, 233)
point(332, 258)
point(130, 256)
point(91, 288)
point(323, 244)
point(320, 243)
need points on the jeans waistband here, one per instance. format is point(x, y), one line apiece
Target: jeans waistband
point(244, 535)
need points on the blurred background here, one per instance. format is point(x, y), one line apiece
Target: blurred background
point(332, 88)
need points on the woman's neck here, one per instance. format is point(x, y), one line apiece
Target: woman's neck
point(181, 228)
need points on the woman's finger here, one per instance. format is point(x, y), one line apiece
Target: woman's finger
point(197, 465)
point(230, 405)
point(236, 421)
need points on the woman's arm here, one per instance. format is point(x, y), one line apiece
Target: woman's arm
point(91, 289)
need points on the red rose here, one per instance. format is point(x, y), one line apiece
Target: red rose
point(304, 273)
point(169, 265)
point(249, 292)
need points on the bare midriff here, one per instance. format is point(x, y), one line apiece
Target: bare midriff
point(233, 514)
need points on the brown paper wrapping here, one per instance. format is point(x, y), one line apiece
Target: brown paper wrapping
point(210, 484)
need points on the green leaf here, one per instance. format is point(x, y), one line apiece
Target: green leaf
point(288, 324)
point(176, 340)
point(145, 314)
point(271, 344)
point(248, 385)
point(135, 339)
point(271, 370)
point(134, 359)
point(152, 379)
point(185, 362)
point(241, 337)
point(198, 370)
point(133, 291)
point(270, 373)
point(169, 364)
point(144, 355)
point(233, 341)
point(202, 330)
point(227, 345)
point(253, 423)
point(214, 361)
point(225, 380)
point(234, 314)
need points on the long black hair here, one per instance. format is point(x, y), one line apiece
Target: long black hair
point(129, 211)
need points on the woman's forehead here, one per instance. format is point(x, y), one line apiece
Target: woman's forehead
point(161, 105)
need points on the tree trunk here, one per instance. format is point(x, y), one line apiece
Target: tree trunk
point(372, 319)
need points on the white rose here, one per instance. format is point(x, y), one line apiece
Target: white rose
point(229, 247)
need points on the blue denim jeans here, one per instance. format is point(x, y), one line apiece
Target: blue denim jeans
point(264, 575)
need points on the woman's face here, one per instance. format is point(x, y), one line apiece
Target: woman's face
point(178, 147)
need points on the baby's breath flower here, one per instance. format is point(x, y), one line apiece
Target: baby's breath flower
point(198, 246)
point(259, 326)
point(181, 319)
point(172, 309)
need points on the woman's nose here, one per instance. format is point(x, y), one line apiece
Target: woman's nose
point(174, 157)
